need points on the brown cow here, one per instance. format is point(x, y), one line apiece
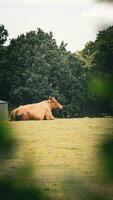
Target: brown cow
point(20, 113)
point(36, 111)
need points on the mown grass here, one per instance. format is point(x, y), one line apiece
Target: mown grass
point(64, 154)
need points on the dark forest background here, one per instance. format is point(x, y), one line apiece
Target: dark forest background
point(33, 67)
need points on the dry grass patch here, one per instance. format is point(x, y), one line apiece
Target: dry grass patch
point(63, 152)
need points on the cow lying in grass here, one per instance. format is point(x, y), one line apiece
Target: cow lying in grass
point(36, 111)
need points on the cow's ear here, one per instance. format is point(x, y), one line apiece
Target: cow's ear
point(50, 98)
point(53, 98)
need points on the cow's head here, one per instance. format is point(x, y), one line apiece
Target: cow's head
point(55, 104)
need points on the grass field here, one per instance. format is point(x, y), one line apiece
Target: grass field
point(64, 155)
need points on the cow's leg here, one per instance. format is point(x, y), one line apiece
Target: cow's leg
point(49, 116)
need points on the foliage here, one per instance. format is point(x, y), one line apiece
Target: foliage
point(3, 63)
point(3, 35)
point(98, 57)
point(33, 67)
point(87, 54)
point(37, 68)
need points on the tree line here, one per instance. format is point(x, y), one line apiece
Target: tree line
point(33, 67)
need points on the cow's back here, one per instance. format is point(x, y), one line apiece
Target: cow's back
point(37, 110)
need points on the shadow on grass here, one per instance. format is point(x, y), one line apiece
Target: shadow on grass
point(77, 189)
point(12, 190)
point(19, 185)
point(106, 155)
point(7, 142)
point(80, 188)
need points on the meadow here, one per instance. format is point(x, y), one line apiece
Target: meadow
point(64, 156)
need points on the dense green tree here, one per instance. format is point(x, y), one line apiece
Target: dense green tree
point(87, 54)
point(98, 57)
point(103, 57)
point(37, 68)
point(33, 67)
point(99, 54)
point(3, 35)
point(4, 87)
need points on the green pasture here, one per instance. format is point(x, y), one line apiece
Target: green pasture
point(64, 155)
